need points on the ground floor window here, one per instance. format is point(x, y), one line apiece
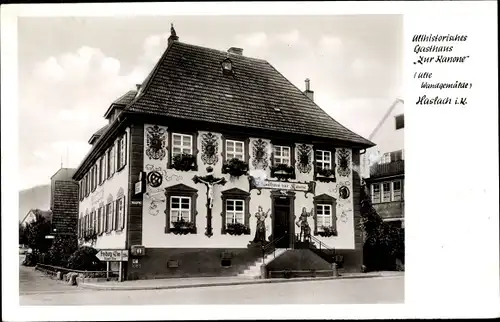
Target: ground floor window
point(181, 209)
point(324, 216)
point(236, 204)
point(235, 211)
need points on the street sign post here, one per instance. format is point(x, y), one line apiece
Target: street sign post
point(113, 255)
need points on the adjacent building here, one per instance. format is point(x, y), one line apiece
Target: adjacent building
point(385, 166)
point(211, 154)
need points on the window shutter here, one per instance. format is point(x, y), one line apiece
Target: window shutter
point(123, 150)
point(122, 213)
point(112, 212)
point(116, 214)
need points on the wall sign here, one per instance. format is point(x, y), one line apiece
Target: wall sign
point(257, 183)
point(113, 255)
point(136, 203)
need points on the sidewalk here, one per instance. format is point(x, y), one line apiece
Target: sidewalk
point(173, 283)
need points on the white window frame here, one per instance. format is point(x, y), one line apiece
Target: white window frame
point(383, 195)
point(108, 227)
point(119, 214)
point(279, 159)
point(122, 155)
point(236, 155)
point(181, 146)
point(386, 158)
point(231, 214)
point(393, 190)
point(321, 216)
point(323, 160)
point(174, 218)
point(379, 192)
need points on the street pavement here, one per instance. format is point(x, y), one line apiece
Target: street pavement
point(37, 289)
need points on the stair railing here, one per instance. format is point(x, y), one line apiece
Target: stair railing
point(267, 247)
point(323, 246)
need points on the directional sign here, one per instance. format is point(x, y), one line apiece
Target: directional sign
point(113, 255)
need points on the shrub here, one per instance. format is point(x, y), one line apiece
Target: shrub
point(61, 249)
point(84, 259)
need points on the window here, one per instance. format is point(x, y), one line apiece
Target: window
point(99, 220)
point(181, 203)
point(94, 178)
point(227, 67)
point(100, 171)
point(80, 189)
point(182, 143)
point(180, 208)
point(396, 155)
point(94, 221)
point(105, 167)
point(324, 216)
point(235, 211)
point(386, 158)
point(282, 155)
point(376, 193)
point(120, 214)
point(236, 208)
point(112, 161)
point(109, 217)
point(235, 150)
point(87, 184)
point(400, 121)
point(396, 190)
point(121, 155)
point(323, 159)
point(325, 213)
point(386, 191)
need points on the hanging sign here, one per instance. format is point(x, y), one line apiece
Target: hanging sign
point(258, 183)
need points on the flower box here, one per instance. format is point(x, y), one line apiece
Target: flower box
point(235, 167)
point(283, 172)
point(327, 231)
point(182, 227)
point(184, 162)
point(237, 229)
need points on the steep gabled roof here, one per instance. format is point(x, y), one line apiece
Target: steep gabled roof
point(188, 83)
point(121, 101)
point(98, 134)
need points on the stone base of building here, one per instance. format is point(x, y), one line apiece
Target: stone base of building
point(209, 262)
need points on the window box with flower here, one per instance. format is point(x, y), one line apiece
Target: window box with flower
point(183, 227)
point(237, 229)
point(235, 167)
point(327, 231)
point(184, 162)
point(283, 172)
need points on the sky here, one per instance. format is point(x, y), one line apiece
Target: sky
point(72, 68)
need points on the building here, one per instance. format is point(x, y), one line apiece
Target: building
point(210, 147)
point(386, 165)
point(64, 202)
point(34, 214)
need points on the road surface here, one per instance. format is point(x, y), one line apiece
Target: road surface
point(36, 289)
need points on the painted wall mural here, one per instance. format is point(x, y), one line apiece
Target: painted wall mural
point(209, 149)
point(304, 158)
point(260, 227)
point(344, 161)
point(156, 137)
point(260, 156)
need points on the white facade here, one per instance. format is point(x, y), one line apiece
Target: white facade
point(386, 137)
point(113, 188)
point(154, 200)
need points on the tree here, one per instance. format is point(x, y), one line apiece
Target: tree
point(383, 243)
point(35, 232)
point(61, 249)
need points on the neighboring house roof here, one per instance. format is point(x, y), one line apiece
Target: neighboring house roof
point(47, 214)
point(384, 118)
point(188, 83)
point(64, 173)
point(98, 134)
point(65, 208)
point(122, 101)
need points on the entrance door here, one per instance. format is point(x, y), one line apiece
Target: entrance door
point(282, 222)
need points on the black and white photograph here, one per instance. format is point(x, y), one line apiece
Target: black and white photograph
point(246, 161)
point(254, 159)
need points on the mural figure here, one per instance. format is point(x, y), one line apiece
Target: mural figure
point(260, 231)
point(304, 158)
point(305, 229)
point(343, 157)
point(155, 142)
point(209, 149)
point(260, 154)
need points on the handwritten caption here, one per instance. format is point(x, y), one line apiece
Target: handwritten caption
point(432, 50)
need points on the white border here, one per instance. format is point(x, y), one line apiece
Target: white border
point(440, 283)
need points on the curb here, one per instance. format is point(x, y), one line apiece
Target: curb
point(179, 286)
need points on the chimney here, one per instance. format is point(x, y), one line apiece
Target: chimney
point(308, 91)
point(173, 35)
point(235, 50)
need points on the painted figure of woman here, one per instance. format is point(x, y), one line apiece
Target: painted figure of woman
point(260, 232)
point(305, 229)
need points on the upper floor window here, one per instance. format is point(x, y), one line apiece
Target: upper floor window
point(111, 161)
point(386, 191)
point(182, 143)
point(400, 121)
point(282, 155)
point(375, 193)
point(121, 151)
point(386, 158)
point(235, 150)
point(396, 190)
point(323, 159)
point(101, 170)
